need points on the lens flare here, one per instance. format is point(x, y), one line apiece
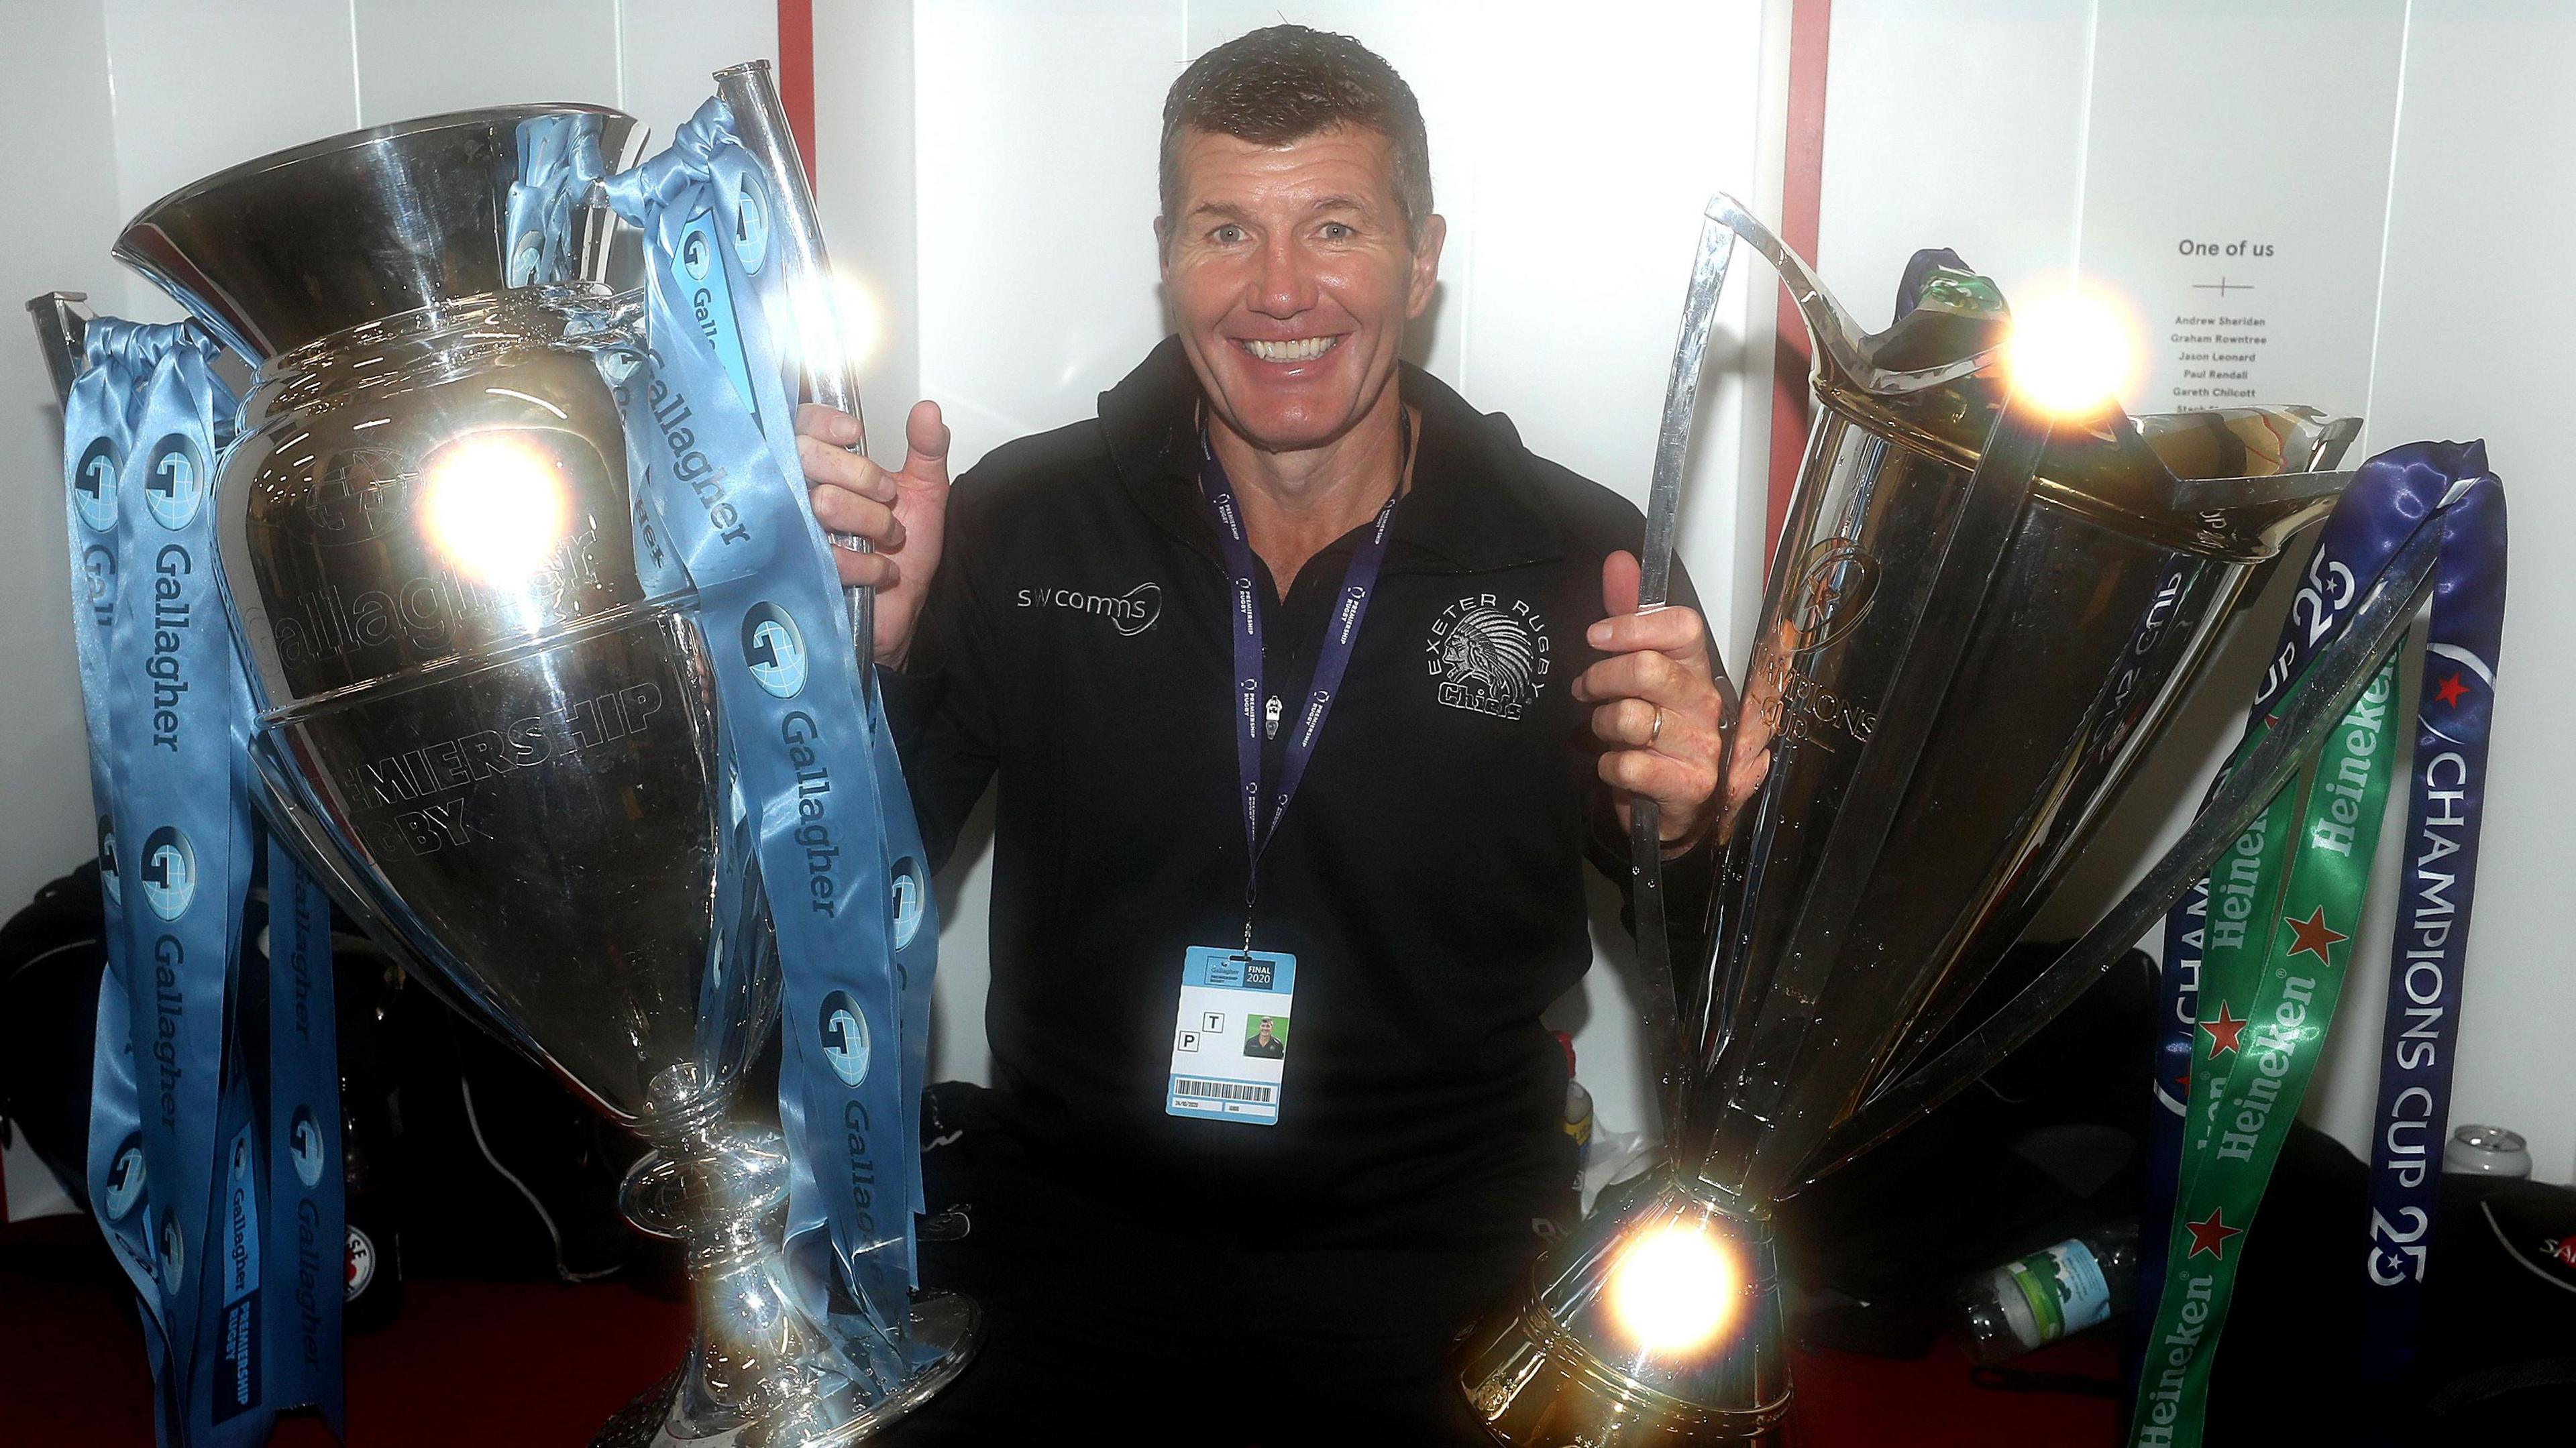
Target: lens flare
point(2072, 353)
point(497, 507)
point(1674, 1288)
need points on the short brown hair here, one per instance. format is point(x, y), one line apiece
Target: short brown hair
point(1281, 84)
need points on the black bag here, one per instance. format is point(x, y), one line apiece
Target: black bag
point(492, 1168)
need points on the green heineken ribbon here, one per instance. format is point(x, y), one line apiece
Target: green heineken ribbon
point(2284, 904)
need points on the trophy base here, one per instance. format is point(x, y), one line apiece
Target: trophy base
point(946, 1321)
point(762, 1370)
point(1559, 1365)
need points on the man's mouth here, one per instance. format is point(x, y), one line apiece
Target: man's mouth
point(1304, 349)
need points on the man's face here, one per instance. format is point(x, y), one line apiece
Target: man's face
point(1265, 1028)
point(1291, 279)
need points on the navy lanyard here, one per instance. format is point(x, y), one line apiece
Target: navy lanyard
point(1359, 580)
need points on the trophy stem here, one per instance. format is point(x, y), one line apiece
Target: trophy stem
point(762, 1371)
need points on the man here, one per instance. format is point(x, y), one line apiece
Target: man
point(1266, 1045)
point(1278, 564)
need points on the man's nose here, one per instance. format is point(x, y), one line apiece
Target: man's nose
point(1284, 285)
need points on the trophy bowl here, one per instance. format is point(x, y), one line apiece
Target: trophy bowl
point(475, 721)
point(1977, 621)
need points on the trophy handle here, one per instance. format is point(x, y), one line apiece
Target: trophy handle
point(62, 331)
point(2342, 670)
point(760, 122)
point(1841, 343)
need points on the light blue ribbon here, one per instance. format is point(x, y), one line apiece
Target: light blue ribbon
point(98, 422)
point(242, 1313)
point(719, 497)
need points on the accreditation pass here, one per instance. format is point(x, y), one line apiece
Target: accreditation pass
point(1230, 1043)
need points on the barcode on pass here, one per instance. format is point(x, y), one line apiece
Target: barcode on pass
point(1219, 1090)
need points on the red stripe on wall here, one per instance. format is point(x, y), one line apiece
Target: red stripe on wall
point(1810, 32)
point(796, 75)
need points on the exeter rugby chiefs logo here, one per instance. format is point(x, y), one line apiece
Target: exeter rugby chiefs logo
point(1489, 656)
point(845, 1038)
point(773, 650)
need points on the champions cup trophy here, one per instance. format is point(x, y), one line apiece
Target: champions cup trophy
point(474, 717)
point(1980, 614)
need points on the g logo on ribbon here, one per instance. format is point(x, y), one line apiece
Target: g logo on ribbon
point(107, 872)
point(696, 259)
point(1837, 582)
point(174, 1252)
point(304, 1147)
point(125, 1178)
point(94, 485)
point(773, 650)
point(176, 483)
point(750, 225)
point(907, 901)
point(845, 1038)
point(168, 872)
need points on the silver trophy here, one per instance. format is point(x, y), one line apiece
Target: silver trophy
point(1978, 619)
point(475, 721)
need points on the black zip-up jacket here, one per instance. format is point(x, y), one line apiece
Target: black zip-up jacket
point(1427, 876)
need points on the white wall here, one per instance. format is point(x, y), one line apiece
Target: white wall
point(2405, 165)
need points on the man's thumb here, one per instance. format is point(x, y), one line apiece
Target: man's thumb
point(1621, 578)
point(927, 438)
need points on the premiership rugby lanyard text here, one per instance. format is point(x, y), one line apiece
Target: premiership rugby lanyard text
point(1341, 633)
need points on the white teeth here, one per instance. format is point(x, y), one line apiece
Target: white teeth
point(1303, 350)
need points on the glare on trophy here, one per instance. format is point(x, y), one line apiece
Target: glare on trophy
point(476, 715)
point(1991, 590)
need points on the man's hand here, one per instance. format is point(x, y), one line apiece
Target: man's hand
point(1659, 670)
point(902, 515)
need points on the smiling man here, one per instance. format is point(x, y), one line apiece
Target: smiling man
point(1307, 688)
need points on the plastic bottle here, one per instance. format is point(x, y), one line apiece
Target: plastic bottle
point(2057, 1291)
point(1578, 1111)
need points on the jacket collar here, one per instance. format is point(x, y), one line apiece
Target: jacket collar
point(1475, 503)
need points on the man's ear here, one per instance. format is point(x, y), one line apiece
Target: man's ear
point(1162, 243)
point(1426, 264)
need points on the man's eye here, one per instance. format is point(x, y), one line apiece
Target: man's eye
point(1226, 235)
point(1337, 231)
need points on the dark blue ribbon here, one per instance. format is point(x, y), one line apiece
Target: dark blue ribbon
point(2446, 803)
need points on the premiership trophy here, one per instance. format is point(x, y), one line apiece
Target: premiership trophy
point(479, 724)
point(1981, 612)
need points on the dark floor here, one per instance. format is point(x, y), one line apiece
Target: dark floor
point(504, 1364)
